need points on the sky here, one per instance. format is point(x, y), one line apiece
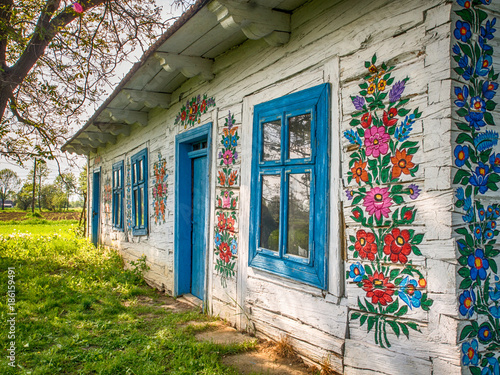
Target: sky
point(167, 11)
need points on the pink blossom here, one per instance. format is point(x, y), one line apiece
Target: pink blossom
point(377, 202)
point(376, 141)
point(228, 157)
point(77, 8)
point(226, 200)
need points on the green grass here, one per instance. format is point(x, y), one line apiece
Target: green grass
point(77, 313)
point(64, 228)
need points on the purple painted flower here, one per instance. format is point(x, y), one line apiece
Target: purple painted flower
point(358, 102)
point(396, 91)
point(349, 194)
point(414, 191)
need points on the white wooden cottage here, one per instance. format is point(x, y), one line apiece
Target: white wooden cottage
point(325, 170)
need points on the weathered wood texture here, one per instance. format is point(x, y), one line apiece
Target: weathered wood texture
point(329, 42)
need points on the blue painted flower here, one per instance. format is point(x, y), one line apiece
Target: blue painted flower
point(469, 351)
point(469, 216)
point(467, 301)
point(467, 204)
point(479, 178)
point(467, 74)
point(494, 291)
point(409, 293)
point(460, 194)
point(356, 272)
point(489, 89)
point(488, 30)
point(353, 137)
point(461, 155)
point(463, 62)
point(495, 162)
point(483, 43)
point(493, 367)
point(486, 140)
point(489, 234)
point(358, 102)
point(492, 225)
point(479, 264)
point(477, 104)
point(483, 65)
point(226, 141)
point(475, 119)
point(234, 141)
point(481, 213)
point(462, 95)
point(496, 213)
point(495, 311)
point(478, 233)
point(462, 31)
point(218, 239)
point(456, 49)
point(486, 2)
point(234, 246)
point(485, 333)
point(489, 212)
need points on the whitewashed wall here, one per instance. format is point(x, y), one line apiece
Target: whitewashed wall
point(330, 41)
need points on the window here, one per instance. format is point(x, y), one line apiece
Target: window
point(139, 165)
point(289, 200)
point(117, 202)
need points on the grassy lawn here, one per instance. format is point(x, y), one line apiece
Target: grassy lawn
point(79, 312)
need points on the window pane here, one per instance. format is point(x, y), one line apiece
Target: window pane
point(299, 128)
point(271, 133)
point(142, 206)
point(270, 212)
point(136, 208)
point(118, 211)
point(298, 214)
point(140, 171)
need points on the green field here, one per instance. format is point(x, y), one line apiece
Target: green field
point(79, 312)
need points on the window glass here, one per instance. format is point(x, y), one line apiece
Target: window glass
point(271, 134)
point(270, 212)
point(299, 133)
point(298, 214)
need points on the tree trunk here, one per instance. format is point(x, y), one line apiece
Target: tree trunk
point(34, 185)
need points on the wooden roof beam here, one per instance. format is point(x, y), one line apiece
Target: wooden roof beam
point(255, 21)
point(86, 142)
point(101, 137)
point(189, 66)
point(129, 117)
point(113, 128)
point(148, 98)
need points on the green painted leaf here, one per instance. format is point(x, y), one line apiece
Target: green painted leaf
point(405, 330)
point(398, 199)
point(464, 137)
point(475, 370)
point(402, 311)
point(408, 144)
point(493, 265)
point(363, 319)
point(488, 117)
point(393, 306)
point(371, 322)
point(490, 105)
point(466, 283)
point(394, 326)
point(356, 200)
point(464, 272)
point(416, 251)
point(463, 126)
point(360, 305)
point(417, 239)
point(462, 112)
point(355, 316)
point(459, 175)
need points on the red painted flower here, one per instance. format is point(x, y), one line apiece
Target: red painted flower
point(389, 117)
point(232, 178)
point(230, 224)
point(365, 245)
point(378, 288)
point(222, 178)
point(183, 115)
point(203, 106)
point(366, 120)
point(225, 252)
point(356, 214)
point(222, 221)
point(397, 246)
point(408, 215)
point(359, 172)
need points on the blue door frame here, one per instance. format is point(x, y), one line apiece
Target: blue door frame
point(183, 236)
point(96, 190)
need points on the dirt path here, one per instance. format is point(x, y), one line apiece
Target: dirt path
point(17, 215)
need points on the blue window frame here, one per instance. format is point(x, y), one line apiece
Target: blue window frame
point(289, 199)
point(117, 202)
point(139, 171)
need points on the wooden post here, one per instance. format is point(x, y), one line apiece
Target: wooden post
point(34, 185)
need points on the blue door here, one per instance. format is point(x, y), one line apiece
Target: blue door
point(199, 225)
point(96, 184)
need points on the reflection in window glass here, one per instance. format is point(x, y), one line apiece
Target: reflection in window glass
point(141, 212)
point(136, 207)
point(271, 133)
point(298, 214)
point(270, 212)
point(299, 132)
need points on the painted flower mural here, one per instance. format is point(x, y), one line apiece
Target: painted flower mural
point(383, 153)
point(193, 109)
point(226, 241)
point(160, 190)
point(477, 174)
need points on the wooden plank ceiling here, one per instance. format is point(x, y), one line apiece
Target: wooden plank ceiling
point(186, 50)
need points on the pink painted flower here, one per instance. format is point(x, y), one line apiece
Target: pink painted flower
point(377, 202)
point(228, 157)
point(77, 8)
point(376, 141)
point(226, 200)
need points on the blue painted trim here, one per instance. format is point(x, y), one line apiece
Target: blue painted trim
point(118, 195)
point(312, 271)
point(183, 204)
point(96, 205)
point(142, 228)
